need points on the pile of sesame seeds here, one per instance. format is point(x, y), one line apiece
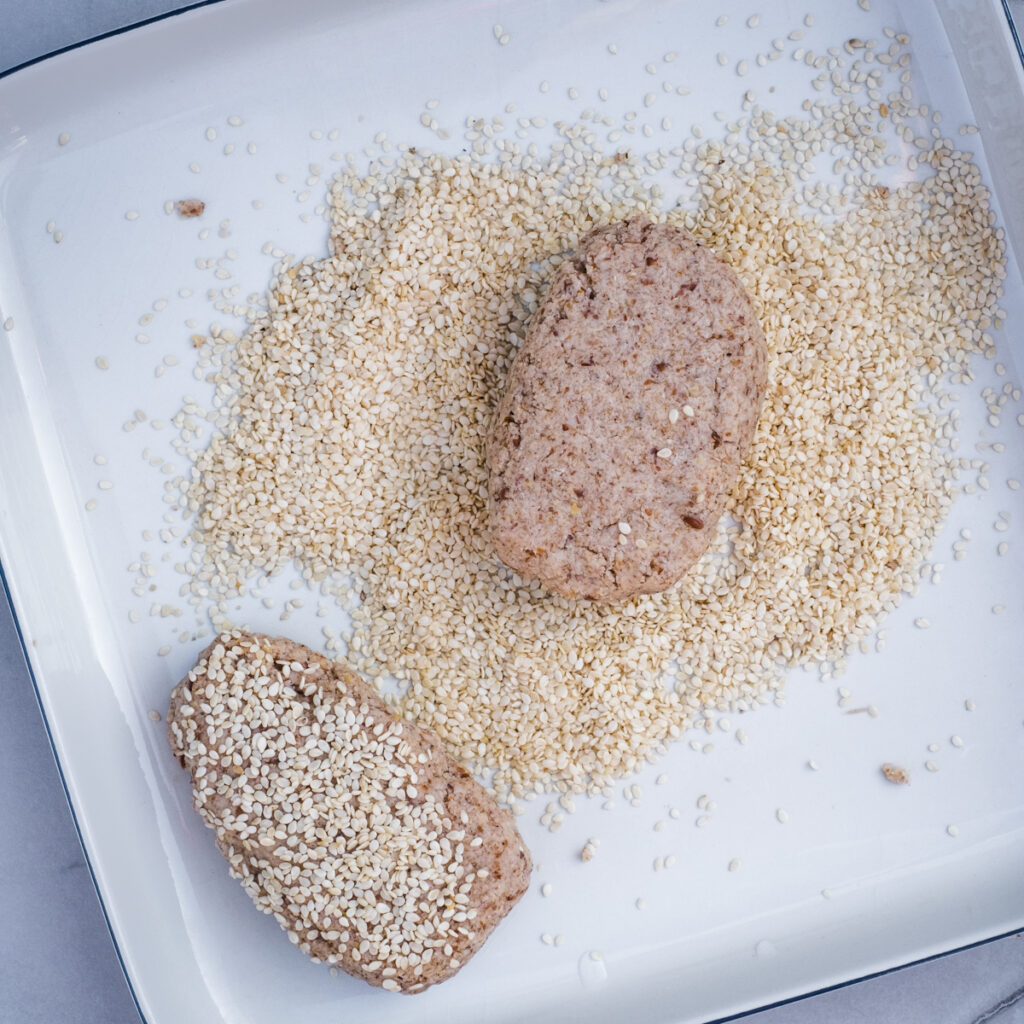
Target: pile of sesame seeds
point(352, 418)
point(318, 805)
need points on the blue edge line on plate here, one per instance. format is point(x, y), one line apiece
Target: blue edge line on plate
point(46, 725)
point(1013, 30)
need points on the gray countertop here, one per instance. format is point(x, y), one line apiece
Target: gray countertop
point(57, 960)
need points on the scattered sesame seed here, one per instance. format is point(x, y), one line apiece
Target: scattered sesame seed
point(922, 623)
point(63, 139)
point(90, 504)
point(105, 485)
point(545, 889)
point(639, 903)
point(767, 214)
point(734, 864)
point(782, 816)
point(813, 765)
point(9, 324)
point(953, 830)
point(956, 741)
point(931, 766)
point(154, 716)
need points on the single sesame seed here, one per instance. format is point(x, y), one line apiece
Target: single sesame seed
point(956, 741)
point(734, 864)
point(63, 139)
point(953, 830)
point(782, 816)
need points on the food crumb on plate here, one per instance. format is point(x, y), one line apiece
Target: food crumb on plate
point(894, 773)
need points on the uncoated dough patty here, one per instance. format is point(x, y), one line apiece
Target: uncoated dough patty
point(626, 415)
point(364, 839)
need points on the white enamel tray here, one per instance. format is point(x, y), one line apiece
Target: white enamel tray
point(863, 877)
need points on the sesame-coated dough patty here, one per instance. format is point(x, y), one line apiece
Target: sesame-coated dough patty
point(371, 847)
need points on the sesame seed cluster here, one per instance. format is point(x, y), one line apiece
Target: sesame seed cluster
point(352, 418)
point(341, 821)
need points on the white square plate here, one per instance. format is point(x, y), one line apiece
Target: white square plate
point(136, 109)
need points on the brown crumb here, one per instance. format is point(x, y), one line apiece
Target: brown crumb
point(894, 773)
point(198, 340)
point(588, 851)
point(189, 207)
